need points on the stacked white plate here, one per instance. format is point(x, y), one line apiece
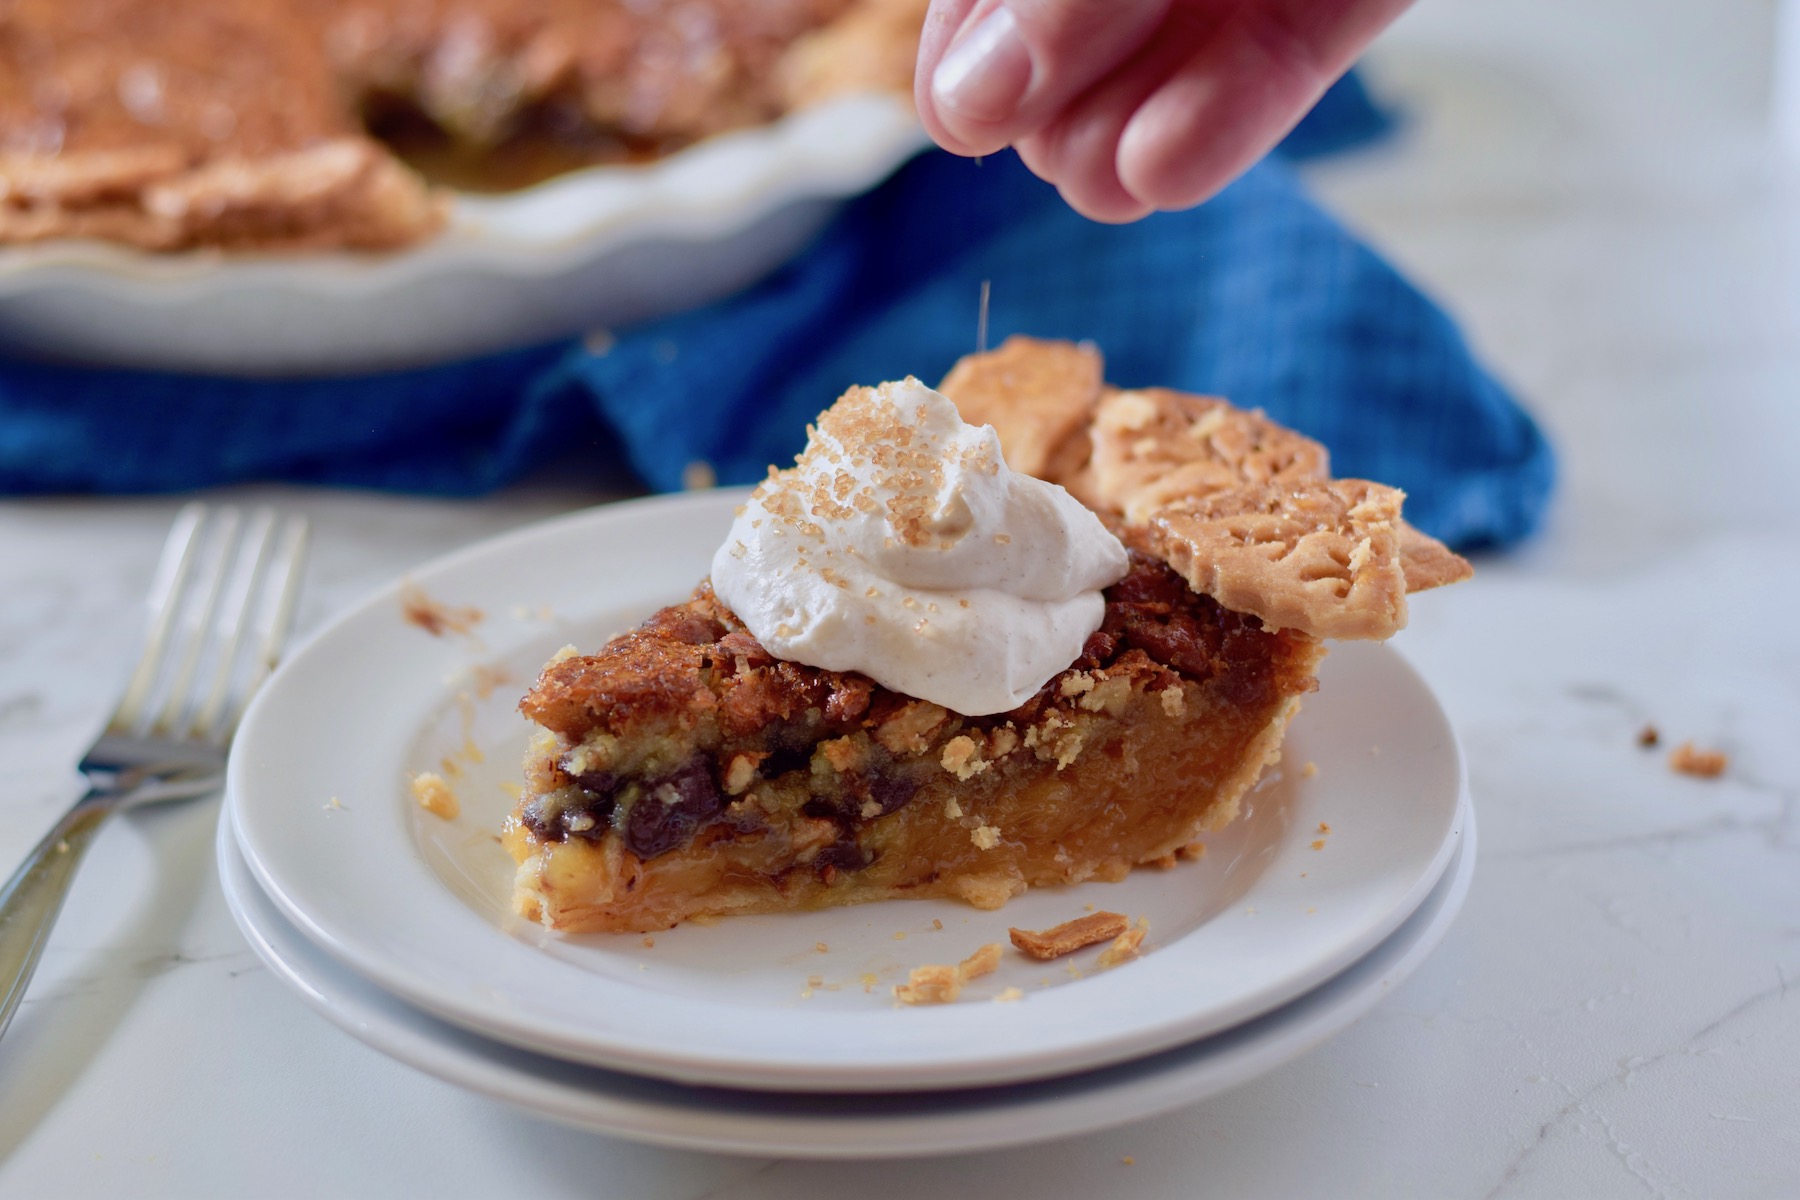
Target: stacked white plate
point(780, 1034)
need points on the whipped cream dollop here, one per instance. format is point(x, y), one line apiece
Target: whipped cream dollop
point(902, 546)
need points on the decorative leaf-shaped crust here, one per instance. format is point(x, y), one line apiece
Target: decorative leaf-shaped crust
point(1155, 447)
point(1244, 508)
point(1323, 556)
point(1038, 396)
point(1429, 563)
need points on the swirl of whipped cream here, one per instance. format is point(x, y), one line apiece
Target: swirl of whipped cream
point(902, 546)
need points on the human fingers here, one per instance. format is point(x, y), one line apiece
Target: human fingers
point(1240, 91)
point(1078, 149)
point(1008, 66)
point(1098, 196)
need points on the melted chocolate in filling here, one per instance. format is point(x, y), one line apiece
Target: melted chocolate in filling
point(672, 808)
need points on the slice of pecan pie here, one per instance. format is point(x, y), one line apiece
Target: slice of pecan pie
point(684, 770)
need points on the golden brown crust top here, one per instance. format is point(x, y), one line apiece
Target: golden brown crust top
point(694, 666)
point(1244, 508)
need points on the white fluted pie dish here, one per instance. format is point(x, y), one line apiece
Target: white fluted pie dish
point(591, 250)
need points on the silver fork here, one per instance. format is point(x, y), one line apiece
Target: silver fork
point(220, 607)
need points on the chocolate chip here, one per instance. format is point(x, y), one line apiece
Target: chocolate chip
point(783, 759)
point(669, 810)
point(833, 809)
point(541, 817)
point(892, 792)
point(583, 811)
point(598, 784)
point(848, 803)
point(843, 855)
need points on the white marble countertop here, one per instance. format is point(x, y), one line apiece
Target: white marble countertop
point(1617, 1013)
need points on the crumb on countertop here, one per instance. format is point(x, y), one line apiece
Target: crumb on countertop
point(435, 796)
point(1649, 736)
point(1689, 759)
point(1070, 935)
point(1310, 770)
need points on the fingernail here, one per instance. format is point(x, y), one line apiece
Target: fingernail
point(985, 73)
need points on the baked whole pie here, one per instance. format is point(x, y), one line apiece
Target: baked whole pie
point(298, 124)
point(694, 768)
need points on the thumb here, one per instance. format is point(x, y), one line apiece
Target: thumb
point(992, 71)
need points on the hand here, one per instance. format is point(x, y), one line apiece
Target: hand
point(1130, 106)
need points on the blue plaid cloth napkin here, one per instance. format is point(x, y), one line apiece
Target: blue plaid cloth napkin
point(1257, 296)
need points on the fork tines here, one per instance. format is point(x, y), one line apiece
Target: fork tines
point(219, 610)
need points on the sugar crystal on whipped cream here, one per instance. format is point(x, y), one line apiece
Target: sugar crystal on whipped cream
point(900, 545)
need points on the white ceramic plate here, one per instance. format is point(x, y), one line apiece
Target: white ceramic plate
point(840, 1126)
point(593, 249)
point(419, 905)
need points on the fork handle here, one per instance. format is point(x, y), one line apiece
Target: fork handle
point(32, 898)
